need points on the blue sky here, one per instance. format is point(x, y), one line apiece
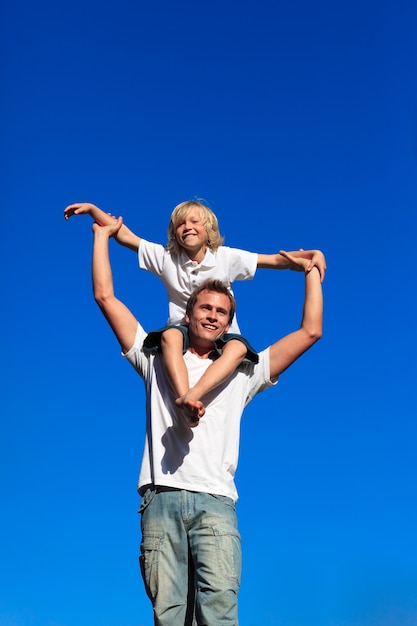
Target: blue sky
point(296, 121)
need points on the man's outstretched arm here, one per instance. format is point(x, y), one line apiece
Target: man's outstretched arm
point(122, 321)
point(287, 350)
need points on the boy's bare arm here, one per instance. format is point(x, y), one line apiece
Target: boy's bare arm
point(125, 236)
point(279, 261)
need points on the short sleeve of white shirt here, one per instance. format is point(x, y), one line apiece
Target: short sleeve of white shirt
point(135, 356)
point(151, 257)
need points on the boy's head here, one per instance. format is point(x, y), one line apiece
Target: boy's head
point(208, 220)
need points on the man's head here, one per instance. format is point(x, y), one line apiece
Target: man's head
point(210, 310)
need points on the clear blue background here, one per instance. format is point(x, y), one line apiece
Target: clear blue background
point(296, 121)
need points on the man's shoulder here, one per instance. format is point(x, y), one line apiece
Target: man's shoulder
point(135, 354)
point(259, 373)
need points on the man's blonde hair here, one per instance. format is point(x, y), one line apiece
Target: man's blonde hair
point(208, 219)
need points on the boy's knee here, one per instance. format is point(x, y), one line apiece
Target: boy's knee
point(170, 335)
point(237, 347)
point(240, 347)
point(172, 338)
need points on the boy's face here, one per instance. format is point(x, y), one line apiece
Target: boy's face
point(190, 232)
point(209, 318)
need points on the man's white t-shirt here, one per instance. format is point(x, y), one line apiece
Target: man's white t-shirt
point(202, 458)
point(181, 276)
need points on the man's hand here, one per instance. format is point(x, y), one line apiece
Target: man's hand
point(318, 260)
point(111, 230)
point(314, 257)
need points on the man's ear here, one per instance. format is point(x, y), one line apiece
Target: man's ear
point(187, 318)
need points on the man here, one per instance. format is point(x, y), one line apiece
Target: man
point(189, 529)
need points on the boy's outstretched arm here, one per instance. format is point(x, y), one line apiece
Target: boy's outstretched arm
point(279, 261)
point(287, 350)
point(125, 236)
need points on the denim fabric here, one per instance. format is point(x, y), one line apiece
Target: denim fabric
point(190, 557)
point(251, 355)
point(152, 343)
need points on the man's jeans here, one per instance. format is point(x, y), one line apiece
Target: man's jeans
point(190, 552)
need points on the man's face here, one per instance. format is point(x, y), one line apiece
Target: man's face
point(209, 318)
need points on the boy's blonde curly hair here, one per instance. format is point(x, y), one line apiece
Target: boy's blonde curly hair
point(208, 219)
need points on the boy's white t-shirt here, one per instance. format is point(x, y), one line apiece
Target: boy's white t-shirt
point(181, 276)
point(202, 458)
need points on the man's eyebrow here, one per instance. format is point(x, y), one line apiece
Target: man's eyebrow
point(213, 306)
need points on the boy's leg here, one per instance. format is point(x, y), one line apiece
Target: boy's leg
point(233, 353)
point(172, 342)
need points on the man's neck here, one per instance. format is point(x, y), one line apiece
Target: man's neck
point(203, 352)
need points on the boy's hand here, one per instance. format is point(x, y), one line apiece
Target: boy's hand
point(79, 208)
point(297, 263)
point(193, 409)
point(124, 236)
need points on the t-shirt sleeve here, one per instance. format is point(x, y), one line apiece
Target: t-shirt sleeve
point(242, 264)
point(136, 357)
point(259, 376)
point(151, 257)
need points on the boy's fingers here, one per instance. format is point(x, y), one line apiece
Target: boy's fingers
point(288, 256)
point(71, 210)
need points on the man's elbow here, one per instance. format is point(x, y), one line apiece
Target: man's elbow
point(314, 333)
point(102, 298)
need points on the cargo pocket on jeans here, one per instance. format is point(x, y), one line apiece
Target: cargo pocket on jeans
point(149, 561)
point(229, 554)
